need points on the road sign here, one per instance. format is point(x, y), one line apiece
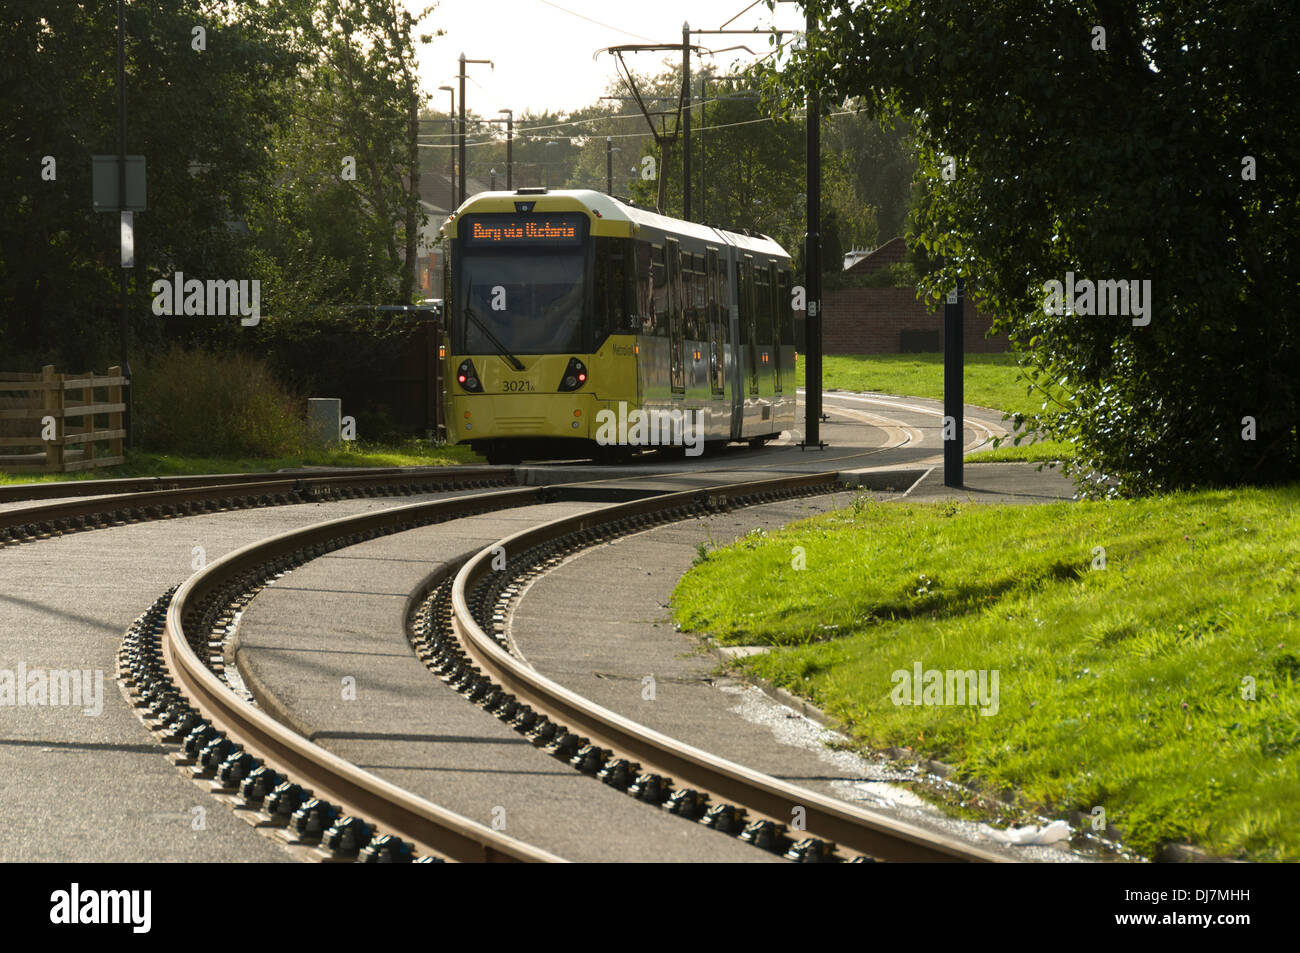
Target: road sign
point(104, 184)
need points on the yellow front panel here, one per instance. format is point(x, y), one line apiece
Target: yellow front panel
point(526, 403)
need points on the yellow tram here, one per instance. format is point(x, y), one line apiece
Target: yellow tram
point(569, 310)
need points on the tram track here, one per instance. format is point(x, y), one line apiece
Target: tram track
point(172, 669)
point(169, 687)
point(26, 524)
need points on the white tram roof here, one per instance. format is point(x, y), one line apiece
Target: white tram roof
point(611, 209)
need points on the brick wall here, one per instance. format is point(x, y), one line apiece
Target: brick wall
point(871, 321)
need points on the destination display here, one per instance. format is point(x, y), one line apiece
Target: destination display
point(566, 229)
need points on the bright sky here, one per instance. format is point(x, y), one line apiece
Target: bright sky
point(543, 54)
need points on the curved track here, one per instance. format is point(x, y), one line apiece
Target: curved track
point(357, 814)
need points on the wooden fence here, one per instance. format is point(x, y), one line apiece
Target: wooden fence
point(36, 411)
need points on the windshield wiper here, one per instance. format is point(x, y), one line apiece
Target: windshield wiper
point(487, 332)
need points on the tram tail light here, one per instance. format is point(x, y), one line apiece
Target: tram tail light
point(575, 375)
point(467, 377)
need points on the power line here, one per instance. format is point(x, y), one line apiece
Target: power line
point(522, 130)
point(642, 135)
point(597, 22)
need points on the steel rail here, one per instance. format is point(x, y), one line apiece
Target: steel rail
point(71, 515)
point(17, 492)
point(436, 830)
point(853, 828)
point(431, 828)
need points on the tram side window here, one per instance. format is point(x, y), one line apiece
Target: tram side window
point(723, 294)
point(610, 287)
point(715, 281)
point(603, 323)
point(763, 310)
point(643, 296)
point(693, 290)
point(658, 292)
point(784, 309)
point(701, 299)
point(743, 300)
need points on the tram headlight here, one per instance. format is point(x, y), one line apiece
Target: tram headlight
point(575, 375)
point(467, 377)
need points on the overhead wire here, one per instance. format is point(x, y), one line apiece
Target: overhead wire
point(641, 135)
point(596, 22)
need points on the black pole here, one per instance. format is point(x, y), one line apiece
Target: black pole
point(451, 153)
point(121, 203)
point(704, 195)
point(510, 141)
point(461, 144)
point(686, 119)
point(813, 266)
point(609, 165)
point(954, 347)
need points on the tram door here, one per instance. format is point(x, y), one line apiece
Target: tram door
point(780, 300)
point(676, 347)
point(748, 322)
point(717, 327)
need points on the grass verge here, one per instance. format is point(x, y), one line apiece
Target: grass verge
point(991, 380)
point(1124, 687)
point(413, 453)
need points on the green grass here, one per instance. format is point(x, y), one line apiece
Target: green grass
point(1119, 687)
point(990, 380)
point(413, 453)
point(1043, 451)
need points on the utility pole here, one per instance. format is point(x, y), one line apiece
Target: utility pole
point(461, 145)
point(813, 263)
point(510, 135)
point(686, 120)
point(704, 98)
point(451, 152)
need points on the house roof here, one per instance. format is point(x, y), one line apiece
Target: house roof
point(892, 252)
point(436, 190)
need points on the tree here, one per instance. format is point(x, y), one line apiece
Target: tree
point(869, 167)
point(354, 142)
point(203, 120)
point(1151, 141)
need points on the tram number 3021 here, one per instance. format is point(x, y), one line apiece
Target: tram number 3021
point(518, 385)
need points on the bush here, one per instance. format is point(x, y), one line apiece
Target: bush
point(206, 404)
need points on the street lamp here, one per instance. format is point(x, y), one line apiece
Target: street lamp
point(451, 173)
point(494, 180)
point(610, 149)
point(464, 61)
point(510, 141)
point(547, 163)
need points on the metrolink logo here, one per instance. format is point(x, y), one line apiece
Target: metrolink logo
point(75, 906)
point(196, 297)
point(1127, 298)
point(651, 428)
point(39, 687)
point(946, 687)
